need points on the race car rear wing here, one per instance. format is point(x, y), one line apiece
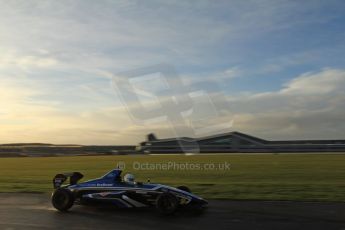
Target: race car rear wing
point(59, 179)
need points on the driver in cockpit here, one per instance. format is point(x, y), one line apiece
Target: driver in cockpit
point(129, 178)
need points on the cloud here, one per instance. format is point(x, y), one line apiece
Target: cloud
point(56, 58)
point(26, 62)
point(311, 105)
point(126, 34)
point(328, 81)
point(26, 115)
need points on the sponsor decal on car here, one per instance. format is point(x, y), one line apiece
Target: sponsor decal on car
point(104, 185)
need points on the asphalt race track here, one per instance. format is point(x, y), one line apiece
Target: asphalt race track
point(33, 211)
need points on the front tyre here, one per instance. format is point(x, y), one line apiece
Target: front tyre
point(167, 203)
point(62, 199)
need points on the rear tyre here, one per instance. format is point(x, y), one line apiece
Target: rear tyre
point(62, 199)
point(167, 203)
point(184, 188)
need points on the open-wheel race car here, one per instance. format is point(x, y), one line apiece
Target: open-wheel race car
point(124, 192)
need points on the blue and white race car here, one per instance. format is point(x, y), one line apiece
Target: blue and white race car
point(122, 192)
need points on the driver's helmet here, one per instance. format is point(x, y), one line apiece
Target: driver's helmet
point(129, 178)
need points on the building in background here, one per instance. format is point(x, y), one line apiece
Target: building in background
point(236, 142)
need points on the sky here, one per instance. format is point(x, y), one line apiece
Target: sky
point(271, 68)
